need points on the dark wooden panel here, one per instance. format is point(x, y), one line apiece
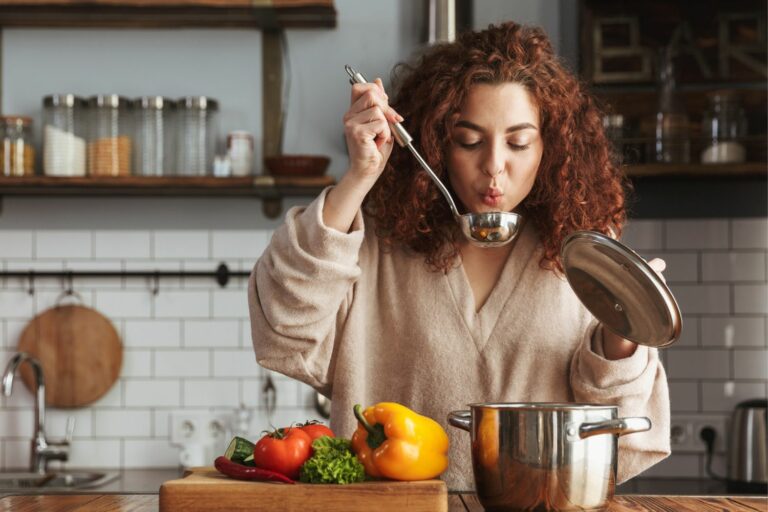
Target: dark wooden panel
point(703, 197)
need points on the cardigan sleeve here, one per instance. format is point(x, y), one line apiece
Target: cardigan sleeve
point(299, 292)
point(638, 386)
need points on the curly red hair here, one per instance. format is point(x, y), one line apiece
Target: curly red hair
point(579, 185)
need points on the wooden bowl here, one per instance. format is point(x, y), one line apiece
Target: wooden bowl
point(297, 165)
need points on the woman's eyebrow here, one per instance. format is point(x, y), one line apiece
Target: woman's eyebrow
point(513, 128)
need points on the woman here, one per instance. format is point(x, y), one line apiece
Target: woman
point(372, 294)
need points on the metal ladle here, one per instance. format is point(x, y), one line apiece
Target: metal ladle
point(488, 229)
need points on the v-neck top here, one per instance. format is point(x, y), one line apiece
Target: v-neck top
point(364, 324)
point(481, 322)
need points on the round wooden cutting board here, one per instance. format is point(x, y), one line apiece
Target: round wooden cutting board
point(80, 351)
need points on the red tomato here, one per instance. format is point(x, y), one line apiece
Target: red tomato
point(316, 429)
point(283, 451)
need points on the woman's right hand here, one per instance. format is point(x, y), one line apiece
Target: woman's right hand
point(366, 128)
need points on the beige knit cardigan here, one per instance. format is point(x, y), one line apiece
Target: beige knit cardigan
point(365, 325)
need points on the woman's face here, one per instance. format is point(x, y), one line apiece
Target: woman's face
point(495, 148)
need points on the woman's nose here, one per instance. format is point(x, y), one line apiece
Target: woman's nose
point(493, 162)
point(491, 173)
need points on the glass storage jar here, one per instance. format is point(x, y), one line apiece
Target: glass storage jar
point(723, 125)
point(18, 152)
point(198, 133)
point(153, 136)
point(63, 135)
point(109, 141)
point(672, 143)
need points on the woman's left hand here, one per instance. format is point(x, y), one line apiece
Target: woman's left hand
point(659, 265)
point(616, 347)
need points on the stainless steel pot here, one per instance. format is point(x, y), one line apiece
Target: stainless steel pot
point(544, 456)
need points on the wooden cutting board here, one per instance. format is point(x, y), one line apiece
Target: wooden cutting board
point(80, 351)
point(206, 490)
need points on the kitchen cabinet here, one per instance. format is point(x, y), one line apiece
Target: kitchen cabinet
point(465, 502)
point(715, 46)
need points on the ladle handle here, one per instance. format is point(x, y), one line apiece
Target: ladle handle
point(401, 134)
point(404, 139)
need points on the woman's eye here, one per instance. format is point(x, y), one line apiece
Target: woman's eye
point(518, 147)
point(469, 145)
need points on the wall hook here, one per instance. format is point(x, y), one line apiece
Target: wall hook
point(70, 289)
point(222, 274)
point(156, 284)
point(31, 286)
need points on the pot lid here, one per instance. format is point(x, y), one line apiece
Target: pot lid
point(620, 289)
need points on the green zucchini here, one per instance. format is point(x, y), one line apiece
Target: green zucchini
point(239, 449)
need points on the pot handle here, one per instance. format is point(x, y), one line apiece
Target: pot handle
point(618, 426)
point(460, 419)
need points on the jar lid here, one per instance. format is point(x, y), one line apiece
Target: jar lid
point(108, 100)
point(198, 103)
point(154, 102)
point(620, 289)
point(240, 134)
point(16, 120)
point(62, 100)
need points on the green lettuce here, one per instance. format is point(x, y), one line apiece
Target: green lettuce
point(332, 463)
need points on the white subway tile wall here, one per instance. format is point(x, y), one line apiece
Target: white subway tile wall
point(188, 348)
point(717, 270)
point(16, 244)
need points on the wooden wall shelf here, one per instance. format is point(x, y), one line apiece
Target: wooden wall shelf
point(270, 189)
point(260, 14)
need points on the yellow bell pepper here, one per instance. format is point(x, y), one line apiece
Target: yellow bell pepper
point(394, 442)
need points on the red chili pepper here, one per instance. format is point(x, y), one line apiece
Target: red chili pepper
point(240, 472)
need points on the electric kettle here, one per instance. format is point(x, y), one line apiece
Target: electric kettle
point(747, 448)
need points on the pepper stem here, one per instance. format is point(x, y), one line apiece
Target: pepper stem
point(376, 435)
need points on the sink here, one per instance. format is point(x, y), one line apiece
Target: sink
point(54, 481)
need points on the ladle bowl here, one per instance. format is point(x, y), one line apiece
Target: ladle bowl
point(486, 229)
point(490, 229)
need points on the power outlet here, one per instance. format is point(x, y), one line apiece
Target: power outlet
point(685, 433)
point(202, 428)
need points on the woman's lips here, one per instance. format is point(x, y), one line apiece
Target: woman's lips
point(492, 197)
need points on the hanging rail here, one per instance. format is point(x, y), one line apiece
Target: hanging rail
point(222, 274)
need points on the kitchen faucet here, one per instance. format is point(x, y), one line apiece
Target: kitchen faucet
point(43, 450)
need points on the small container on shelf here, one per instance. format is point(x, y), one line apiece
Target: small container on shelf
point(64, 145)
point(724, 126)
point(154, 136)
point(18, 157)
point(197, 135)
point(240, 152)
point(110, 140)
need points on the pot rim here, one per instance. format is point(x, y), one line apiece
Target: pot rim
point(542, 406)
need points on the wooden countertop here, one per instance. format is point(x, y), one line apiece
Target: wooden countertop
point(457, 503)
